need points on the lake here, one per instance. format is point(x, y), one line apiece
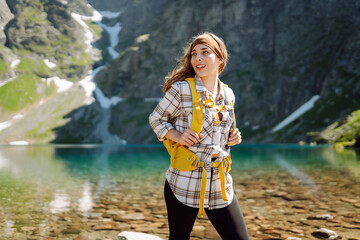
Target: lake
point(96, 191)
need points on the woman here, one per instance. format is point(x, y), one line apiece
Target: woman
point(208, 185)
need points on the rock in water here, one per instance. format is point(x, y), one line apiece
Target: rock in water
point(321, 217)
point(324, 233)
point(137, 236)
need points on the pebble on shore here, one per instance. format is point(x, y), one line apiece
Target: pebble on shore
point(324, 233)
point(137, 236)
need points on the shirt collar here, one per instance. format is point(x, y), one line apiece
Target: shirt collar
point(199, 84)
point(201, 88)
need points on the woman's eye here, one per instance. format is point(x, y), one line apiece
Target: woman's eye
point(193, 54)
point(205, 52)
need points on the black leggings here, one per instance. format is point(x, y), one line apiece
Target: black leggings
point(228, 221)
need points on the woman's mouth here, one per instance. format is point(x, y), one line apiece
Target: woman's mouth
point(200, 66)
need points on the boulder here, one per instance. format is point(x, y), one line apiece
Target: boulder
point(137, 236)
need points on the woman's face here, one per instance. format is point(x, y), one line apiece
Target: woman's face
point(204, 61)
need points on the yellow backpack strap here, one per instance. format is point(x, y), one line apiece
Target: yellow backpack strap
point(230, 103)
point(196, 125)
point(197, 118)
point(197, 113)
point(224, 167)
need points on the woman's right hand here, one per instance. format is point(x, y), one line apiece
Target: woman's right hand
point(189, 138)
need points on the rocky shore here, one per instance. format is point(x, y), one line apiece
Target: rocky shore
point(276, 205)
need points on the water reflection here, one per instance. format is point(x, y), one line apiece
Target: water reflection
point(7, 165)
point(86, 202)
point(60, 203)
point(8, 227)
point(305, 179)
point(347, 158)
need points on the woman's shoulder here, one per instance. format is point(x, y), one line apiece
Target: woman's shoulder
point(182, 86)
point(229, 92)
point(180, 83)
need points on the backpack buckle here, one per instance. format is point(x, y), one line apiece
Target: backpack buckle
point(196, 163)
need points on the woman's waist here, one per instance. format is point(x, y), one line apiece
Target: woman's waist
point(208, 151)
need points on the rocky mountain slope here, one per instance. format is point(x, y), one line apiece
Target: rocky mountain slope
point(283, 53)
point(294, 65)
point(42, 60)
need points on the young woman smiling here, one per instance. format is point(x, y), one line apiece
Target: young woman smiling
point(208, 186)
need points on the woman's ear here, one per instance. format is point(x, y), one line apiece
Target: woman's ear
point(221, 62)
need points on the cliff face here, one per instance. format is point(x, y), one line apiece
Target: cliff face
point(282, 54)
point(5, 16)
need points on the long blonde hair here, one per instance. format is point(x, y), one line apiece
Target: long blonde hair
point(184, 68)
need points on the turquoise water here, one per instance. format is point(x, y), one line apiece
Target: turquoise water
point(38, 181)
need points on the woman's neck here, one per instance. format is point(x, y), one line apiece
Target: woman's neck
point(211, 83)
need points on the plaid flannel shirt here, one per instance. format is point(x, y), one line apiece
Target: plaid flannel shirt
point(175, 111)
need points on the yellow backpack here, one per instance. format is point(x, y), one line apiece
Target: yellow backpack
point(183, 159)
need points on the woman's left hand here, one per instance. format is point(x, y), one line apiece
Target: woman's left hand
point(235, 137)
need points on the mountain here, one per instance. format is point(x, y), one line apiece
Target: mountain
point(42, 60)
point(283, 53)
point(294, 65)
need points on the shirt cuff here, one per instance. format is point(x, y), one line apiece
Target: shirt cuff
point(164, 131)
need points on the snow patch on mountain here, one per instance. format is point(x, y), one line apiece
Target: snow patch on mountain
point(8, 123)
point(89, 37)
point(114, 39)
point(19, 143)
point(61, 84)
point(109, 14)
point(113, 32)
point(15, 63)
point(297, 113)
point(49, 64)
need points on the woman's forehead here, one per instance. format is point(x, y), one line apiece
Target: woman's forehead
point(200, 47)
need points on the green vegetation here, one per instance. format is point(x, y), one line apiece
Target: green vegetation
point(73, 66)
point(346, 134)
point(84, 60)
point(102, 39)
point(42, 133)
point(3, 67)
point(33, 14)
point(94, 27)
point(4, 63)
point(45, 49)
point(21, 51)
point(51, 115)
point(23, 91)
point(37, 67)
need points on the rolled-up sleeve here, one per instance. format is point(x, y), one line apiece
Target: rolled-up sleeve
point(162, 118)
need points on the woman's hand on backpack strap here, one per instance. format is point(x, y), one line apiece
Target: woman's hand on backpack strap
point(235, 137)
point(189, 138)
